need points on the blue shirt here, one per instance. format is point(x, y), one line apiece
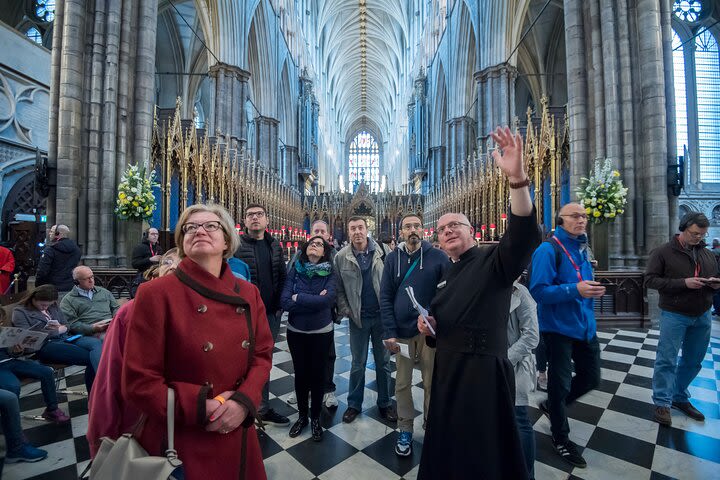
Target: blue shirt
point(369, 303)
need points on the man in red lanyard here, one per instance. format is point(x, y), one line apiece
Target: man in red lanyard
point(685, 274)
point(562, 285)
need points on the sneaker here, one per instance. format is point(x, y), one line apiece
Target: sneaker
point(271, 416)
point(568, 452)
point(688, 409)
point(329, 400)
point(662, 416)
point(544, 408)
point(26, 453)
point(292, 399)
point(56, 415)
point(542, 381)
point(403, 447)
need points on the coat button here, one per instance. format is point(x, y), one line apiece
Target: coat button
point(240, 310)
point(202, 308)
point(207, 347)
point(246, 344)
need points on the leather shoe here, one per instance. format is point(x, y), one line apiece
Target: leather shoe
point(316, 429)
point(662, 416)
point(688, 409)
point(388, 413)
point(350, 415)
point(298, 427)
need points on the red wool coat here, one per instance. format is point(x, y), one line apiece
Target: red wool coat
point(191, 338)
point(7, 267)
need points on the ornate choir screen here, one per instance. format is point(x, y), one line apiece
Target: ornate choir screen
point(481, 191)
point(193, 167)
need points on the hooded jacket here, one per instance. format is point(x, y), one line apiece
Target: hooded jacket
point(561, 308)
point(247, 253)
point(399, 318)
point(57, 263)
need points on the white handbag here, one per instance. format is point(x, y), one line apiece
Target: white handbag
point(126, 459)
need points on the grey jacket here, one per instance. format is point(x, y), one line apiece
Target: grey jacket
point(523, 336)
point(349, 279)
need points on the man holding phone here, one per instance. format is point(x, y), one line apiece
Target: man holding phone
point(562, 285)
point(685, 273)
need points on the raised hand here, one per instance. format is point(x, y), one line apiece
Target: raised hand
point(511, 159)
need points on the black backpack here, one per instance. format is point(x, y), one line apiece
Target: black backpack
point(558, 259)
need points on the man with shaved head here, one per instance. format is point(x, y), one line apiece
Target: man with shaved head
point(563, 287)
point(471, 427)
point(87, 308)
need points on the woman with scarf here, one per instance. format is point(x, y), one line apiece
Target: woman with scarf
point(308, 297)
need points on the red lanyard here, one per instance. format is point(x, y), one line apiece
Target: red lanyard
point(577, 269)
point(152, 252)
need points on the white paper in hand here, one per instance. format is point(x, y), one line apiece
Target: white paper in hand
point(419, 308)
point(404, 349)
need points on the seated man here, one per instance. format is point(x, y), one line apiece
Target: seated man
point(88, 308)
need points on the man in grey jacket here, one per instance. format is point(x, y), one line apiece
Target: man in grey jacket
point(359, 268)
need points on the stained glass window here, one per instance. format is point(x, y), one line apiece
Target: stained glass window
point(34, 34)
point(707, 78)
point(364, 162)
point(681, 112)
point(687, 10)
point(45, 10)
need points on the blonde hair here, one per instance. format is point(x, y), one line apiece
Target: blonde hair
point(226, 222)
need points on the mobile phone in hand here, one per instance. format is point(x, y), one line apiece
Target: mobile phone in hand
point(73, 338)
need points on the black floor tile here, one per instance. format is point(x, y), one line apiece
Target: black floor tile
point(660, 476)
point(373, 412)
point(634, 408)
point(342, 365)
point(710, 410)
point(623, 350)
point(319, 457)
point(545, 453)
point(65, 473)
point(31, 402)
point(645, 362)
point(342, 351)
point(612, 365)
point(704, 383)
point(281, 407)
point(76, 380)
point(585, 413)
point(638, 381)
point(287, 367)
point(281, 386)
point(48, 433)
point(690, 443)
point(374, 387)
point(329, 417)
point(77, 406)
point(707, 364)
point(608, 386)
point(650, 348)
point(268, 446)
point(82, 449)
point(616, 445)
point(383, 452)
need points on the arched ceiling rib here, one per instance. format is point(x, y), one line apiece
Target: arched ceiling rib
point(363, 84)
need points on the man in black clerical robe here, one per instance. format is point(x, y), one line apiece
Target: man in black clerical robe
point(471, 430)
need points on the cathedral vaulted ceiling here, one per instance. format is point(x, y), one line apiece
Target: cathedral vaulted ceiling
point(363, 50)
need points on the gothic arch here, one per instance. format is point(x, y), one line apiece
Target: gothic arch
point(438, 115)
point(463, 64)
point(260, 62)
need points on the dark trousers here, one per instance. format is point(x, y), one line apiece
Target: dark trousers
point(716, 303)
point(309, 355)
point(84, 351)
point(541, 356)
point(13, 370)
point(330, 367)
point(563, 388)
point(274, 323)
point(527, 437)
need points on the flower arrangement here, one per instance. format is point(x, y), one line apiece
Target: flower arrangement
point(603, 194)
point(135, 199)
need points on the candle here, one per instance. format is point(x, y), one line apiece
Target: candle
point(296, 247)
point(482, 229)
point(237, 228)
point(492, 231)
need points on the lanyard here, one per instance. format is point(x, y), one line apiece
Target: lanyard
point(577, 269)
point(152, 252)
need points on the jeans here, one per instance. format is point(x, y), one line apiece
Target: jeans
point(716, 303)
point(309, 355)
point(12, 369)
point(403, 380)
point(541, 356)
point(670, 378)
point(10, 413)
point(527, 437)
point(563, 388)
point(274, 323)
point(371, 330)
point(85, 351)
point(329, 384)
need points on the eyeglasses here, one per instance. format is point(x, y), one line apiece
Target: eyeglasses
point(452, 226)
point(576, 216)
point(258, 214)
point(697, 234)
point(316, 244)
point(192, 228)
point(91, 277)
point(411, 226)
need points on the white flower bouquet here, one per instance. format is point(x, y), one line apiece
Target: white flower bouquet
point(135, 199)
point(603, 194)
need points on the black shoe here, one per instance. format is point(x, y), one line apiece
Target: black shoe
point(568, 452)
point(298, 427)
point(271, 416)
point(688, 409)
point(544, 408)
point(350, 415)
point(388, 413)
point(316, 429)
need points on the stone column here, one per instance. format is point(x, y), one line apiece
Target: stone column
point(103, 74)
point(229, 118)
point(266, 129)
point(496, 99)
point(461, 133)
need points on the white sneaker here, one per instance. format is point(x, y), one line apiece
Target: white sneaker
point(329, 400)
point(292, 399)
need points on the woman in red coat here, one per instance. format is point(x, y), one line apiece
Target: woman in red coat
point(203, 333)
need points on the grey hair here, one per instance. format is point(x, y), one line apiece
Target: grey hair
point(76, 271)
point(62, 230)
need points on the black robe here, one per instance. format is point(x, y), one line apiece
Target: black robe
point(471, 430)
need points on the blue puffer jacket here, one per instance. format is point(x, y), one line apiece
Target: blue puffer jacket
point(561, 309)
point(311, 311)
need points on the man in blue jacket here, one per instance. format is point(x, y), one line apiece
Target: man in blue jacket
point(562, 285)
point(414, 263)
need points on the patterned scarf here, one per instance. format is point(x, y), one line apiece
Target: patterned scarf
point(310, 269)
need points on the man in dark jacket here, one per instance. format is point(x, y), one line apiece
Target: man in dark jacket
point(414, 263)
point(471, 429)
point(685, 274)
point(148, 252)
point(565, 293)
point(263, 255)
point(58, 260)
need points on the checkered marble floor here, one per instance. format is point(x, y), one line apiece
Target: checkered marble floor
point(613, 425)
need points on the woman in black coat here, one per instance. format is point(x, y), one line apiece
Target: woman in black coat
point(308, 297)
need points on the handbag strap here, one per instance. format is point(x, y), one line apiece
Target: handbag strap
point(171, 423)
